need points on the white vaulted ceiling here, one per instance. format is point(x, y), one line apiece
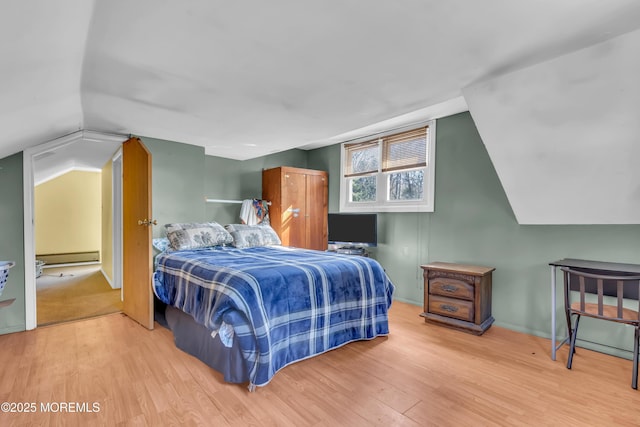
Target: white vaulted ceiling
point(245, 79)
point(564, 135)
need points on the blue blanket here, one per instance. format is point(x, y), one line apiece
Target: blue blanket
point(283, 304)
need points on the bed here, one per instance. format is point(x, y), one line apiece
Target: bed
point(249, 307)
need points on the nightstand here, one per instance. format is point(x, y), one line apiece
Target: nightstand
point(458, 296)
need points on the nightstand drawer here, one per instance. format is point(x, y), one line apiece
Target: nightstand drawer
point(451, 307)
point(451, 288)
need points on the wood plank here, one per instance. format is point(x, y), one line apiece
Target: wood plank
point(421, 374)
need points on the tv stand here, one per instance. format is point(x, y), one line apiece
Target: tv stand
point(352, 250)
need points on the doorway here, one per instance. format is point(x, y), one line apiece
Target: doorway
point(72, 223)
point(81, 285)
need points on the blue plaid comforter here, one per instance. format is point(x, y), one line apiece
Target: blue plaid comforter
point(283, 304)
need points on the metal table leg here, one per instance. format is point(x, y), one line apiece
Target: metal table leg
point(554, 346)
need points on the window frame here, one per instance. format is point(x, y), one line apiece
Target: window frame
point(381, 204)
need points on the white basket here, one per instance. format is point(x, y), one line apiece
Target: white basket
point(4, 273)
point(39, 265)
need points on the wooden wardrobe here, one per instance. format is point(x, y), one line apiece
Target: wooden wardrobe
point(299, 205)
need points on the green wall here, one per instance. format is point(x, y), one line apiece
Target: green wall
point(11, 242)
point(177, 182)
point(183, 177)
point(473, 223)
point(227, 179)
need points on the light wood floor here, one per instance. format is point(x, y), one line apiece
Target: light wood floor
point(421, 375)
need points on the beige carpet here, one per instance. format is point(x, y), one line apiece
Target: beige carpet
point(72, 293)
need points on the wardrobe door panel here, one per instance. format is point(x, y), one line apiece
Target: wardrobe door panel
point(317, 212)
point(294, 210)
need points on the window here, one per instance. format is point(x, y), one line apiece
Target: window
point(392, 173)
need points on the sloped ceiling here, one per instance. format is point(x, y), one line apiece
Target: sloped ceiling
point(245, 79)
point(564, 135)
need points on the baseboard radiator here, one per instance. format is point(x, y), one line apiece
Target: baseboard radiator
point(69, 257)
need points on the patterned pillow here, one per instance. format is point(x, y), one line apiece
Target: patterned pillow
point(161, 244)
point(197, 235)
point(248, 236)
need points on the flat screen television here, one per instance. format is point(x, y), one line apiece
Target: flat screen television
point(353, 229)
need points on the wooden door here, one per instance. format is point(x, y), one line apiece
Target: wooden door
point(136, 230)
point(294, 209)
point(316, 211)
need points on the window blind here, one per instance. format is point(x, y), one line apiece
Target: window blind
point(405, 150)
point(361, 158)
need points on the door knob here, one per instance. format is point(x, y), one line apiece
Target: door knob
point(147, 222)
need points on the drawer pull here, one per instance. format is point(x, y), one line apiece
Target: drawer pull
point(449, 288)
point(449, 308)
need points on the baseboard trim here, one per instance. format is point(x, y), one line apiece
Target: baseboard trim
point(108, 279)
point(71, 264)
point(69, 257)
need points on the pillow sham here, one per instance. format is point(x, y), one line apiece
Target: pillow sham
point(161, 244)
point(195, 235)
point(248, 236)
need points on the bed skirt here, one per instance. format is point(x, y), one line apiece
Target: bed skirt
point(196, 340)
